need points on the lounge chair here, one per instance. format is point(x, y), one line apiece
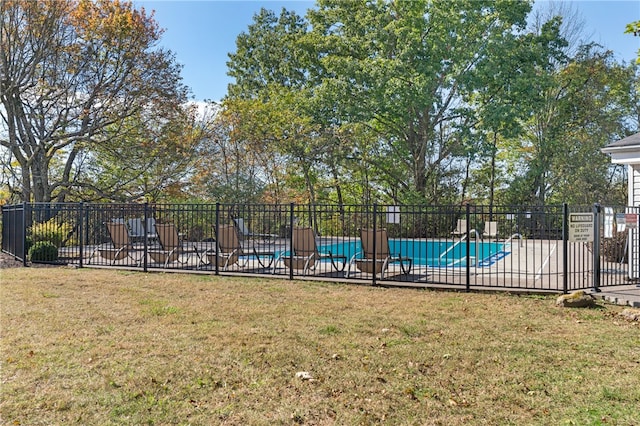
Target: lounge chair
point(304, 252)
point(138, 231)
point(490, 230)
point(120, 245)
point(171, 247)
point(230, 250)
point(245, 232)
point(376, 256)
point(461, 228)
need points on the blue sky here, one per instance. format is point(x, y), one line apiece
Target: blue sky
point(202, 33)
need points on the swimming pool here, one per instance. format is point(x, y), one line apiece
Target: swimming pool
point(433, 253)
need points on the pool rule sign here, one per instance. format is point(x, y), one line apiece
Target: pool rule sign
point(581, 227)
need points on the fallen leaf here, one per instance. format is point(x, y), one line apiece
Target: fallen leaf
point(304, 375)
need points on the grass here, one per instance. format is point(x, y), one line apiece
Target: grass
point(99, 347)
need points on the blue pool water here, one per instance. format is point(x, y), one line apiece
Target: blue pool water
point(431, 253)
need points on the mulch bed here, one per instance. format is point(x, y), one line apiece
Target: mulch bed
point(8, 261)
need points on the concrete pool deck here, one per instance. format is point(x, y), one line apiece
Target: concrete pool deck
point(527, 265)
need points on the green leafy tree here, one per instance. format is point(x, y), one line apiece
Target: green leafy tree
point(595, 112)
point(273, 95)
point(587, 106)
point(521, 62)
point(405, 68)
point(267, 55)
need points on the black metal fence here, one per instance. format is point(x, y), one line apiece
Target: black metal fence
point(468, 247)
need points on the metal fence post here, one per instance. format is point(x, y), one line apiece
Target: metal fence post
point(468, 248)
point(596, 247)
point(291, 223)
point(565, 248)
point(24, 234)
point(217, 227)
point(80, 232)
point(632, 250)
point(375, 243)
point(87, 226)
point(145, 231)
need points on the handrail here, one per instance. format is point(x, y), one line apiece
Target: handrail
point(520, 237)
point(464, 237)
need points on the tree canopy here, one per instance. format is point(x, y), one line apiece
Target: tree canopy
point(406, 102)
point(431, 101)
point(73, 75)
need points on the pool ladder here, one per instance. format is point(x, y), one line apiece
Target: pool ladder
point(464, 237)
point(516, 235)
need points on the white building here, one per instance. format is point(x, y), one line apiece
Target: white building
point(627, 151)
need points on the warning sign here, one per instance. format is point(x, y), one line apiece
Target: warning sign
point(581, 227)
point(631, 219)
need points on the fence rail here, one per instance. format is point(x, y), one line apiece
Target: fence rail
point(468, 247)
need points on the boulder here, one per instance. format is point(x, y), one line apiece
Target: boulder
point(577, 299)
point(630, 314)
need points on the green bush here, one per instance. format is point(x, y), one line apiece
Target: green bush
point(43, 251)
point(56, 233)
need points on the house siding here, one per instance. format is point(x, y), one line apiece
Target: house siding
point(634, 200)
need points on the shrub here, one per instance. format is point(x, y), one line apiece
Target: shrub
point(43, 251)
point(56, 233)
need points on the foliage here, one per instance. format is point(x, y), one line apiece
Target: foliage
point(147, 157)
point(57, 233)
point(430, 102)
point(43, 251)
point(384, 57)
point(421, 102)
point(585, 105)
point(71, 70)
point(634, 28)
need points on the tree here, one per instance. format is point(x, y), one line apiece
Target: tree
point(587, 106)
point(405, 69)
point(417, 102)
point(594, 113)
point(149, 157)
point(75, 74)
point(505, 100)
point(267, 55)
point(273, 95)
point(229, 167)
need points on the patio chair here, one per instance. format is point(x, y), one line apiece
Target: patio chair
point(304, 253)
point(245, 232)
point(138, 231)
point(490, 230)
point(171, 247)
point(230, 250)
point(376, 256)
point(120, 244)
point(461, 228)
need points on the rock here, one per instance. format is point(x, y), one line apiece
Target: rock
point(630, 314)
point(577, 299)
